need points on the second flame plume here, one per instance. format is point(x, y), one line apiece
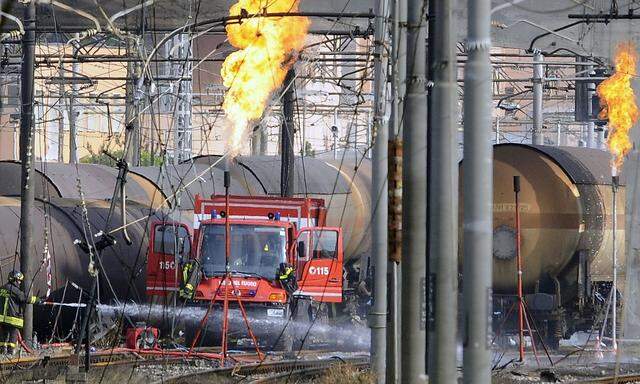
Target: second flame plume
point(619, 102)
point(267, 49)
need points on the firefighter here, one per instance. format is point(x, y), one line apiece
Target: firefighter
point(12, 301)
point(190, 279)
point(287, 278)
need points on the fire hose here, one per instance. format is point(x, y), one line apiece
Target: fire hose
point(71, 305)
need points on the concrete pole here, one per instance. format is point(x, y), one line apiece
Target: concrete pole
point(478, 196)
point(414, 199)
point(61, 104)
point(380, 194)
point(287, 136)
point(27, 157)
point(443, 211)
point(537, 137)
point(398, 89)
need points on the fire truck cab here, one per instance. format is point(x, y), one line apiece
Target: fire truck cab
point(264, 233)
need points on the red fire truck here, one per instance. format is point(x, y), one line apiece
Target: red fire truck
point(265, 232)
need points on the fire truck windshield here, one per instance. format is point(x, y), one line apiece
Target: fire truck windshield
point(255, 249)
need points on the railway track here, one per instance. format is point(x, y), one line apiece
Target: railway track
point(267, 372)
point(619, 379)
point(55, 366)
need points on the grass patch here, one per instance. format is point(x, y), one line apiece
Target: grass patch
point(346, 374)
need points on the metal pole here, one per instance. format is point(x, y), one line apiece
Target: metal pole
point(334, 132)
point(590, 125)
point(287, 136)
point(478, 196)
point(537, 137)
point(414, 202)
point(132, 123)
point(614, 283)
point(380, 194)
point(303, 128)
point(399, 68)
point(516, 190)
point(264, 140)
point(27, 157)
point(443, 223)
point(227, 281)
point(61, 104)
point(73, 145)
point(558, 135)
point(601, 139)
point(497, 130)
point(84, 328)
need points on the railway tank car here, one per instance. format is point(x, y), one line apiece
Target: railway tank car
point(566, 234)
point(155, 194)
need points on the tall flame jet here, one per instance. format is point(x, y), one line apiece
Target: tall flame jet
point(267, 48)
point(619, 101)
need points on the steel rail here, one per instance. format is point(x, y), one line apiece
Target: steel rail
point(286, 366)
point(303, 373)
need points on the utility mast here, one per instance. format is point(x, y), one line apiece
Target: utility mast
point(27, 157)
point(287, 136)
point(183, 69)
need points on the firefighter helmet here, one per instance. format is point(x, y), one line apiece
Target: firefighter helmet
point(16, 277)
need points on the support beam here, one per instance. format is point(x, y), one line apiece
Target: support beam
point(414, 199)
point(537, 137)
point(27, 157)
point(287, 136)
point(380, 194)
point(478, 196)
point(443, 211)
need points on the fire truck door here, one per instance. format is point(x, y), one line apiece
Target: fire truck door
point(320, 260)
point(170, 246)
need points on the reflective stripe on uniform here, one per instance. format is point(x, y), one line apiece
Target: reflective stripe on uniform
point(286, 273)
point(33, 299)
point(7, 344)
point(14, 321)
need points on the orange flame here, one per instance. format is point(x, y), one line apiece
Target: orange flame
point(619, 101)
point(267, 49)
